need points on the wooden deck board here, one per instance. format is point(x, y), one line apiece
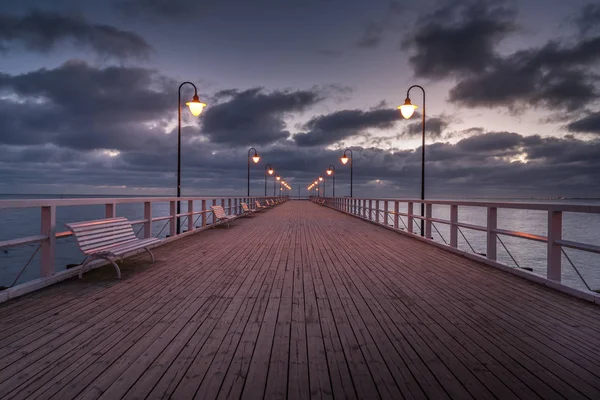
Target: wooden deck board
point(299, 302)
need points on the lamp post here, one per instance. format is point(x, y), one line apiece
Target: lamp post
point(255, 158)
point(196, 108)
point(322, 185)
point(270, 170)
point(345, 160)
point(331, 172)
point(407, 110)
point(276, 177)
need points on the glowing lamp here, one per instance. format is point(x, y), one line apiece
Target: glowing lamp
point(329, 172)
point(255, 158)
point(270, 171)
point(344, 159)
point(278, 177)
point(195, 106)
point(320, 178)
point(407, 109)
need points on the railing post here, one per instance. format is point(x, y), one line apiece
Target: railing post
point(385, 213)
point(492, 224)
point(554, 267)
point(173, 224)
point(235, 206)
point(190, 215)
point(110, 210)
point(453, 225)
point(396, 216)
point(47, 246)
point(231, 211)
point(364, 208)
point(203, 213)
point(370, 209)
point(148, 218)
point(212, 218)
point(410, 216)
point(428, 222)
point(377, 211)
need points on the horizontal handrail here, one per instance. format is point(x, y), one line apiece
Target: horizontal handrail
point(22, 241)
point(579, 208)
point(28, 203)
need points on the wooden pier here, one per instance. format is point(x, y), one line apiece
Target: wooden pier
point(299, 302)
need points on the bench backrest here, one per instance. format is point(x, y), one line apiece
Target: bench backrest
point(98, 235)
point(257, 204)
point(269, 202)
point(218, 212)
point(245, 207)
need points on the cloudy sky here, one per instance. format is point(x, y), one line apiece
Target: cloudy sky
point(88, 95)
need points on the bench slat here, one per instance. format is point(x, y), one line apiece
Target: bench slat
point(127, 247)
point(104, 232)
point(83, 229)
point(107, 246)
point(99, 242)
point(97, 222)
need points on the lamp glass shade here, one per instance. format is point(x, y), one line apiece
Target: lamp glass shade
point(407, 109)
point(344, 159)
point(255, 158)
point(320, 178)
point(270, 171)
point(195, 106)
point(329, 172)
point(278, 178)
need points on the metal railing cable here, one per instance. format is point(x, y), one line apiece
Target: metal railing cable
point(438, 232)
point(23, 269)
point(509, 254)
point(576, 270)
point(467, 240)
point(163, 228)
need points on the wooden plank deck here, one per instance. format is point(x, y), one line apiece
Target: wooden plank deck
point(299, 302)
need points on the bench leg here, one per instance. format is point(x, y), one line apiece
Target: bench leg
point(105, 258)
point(83, 264)
point(151, 255)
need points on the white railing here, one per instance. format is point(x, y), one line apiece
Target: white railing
point(193, 219)
point(390, 216)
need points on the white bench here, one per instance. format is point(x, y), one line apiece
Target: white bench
point(258, 206)
point(108, 239)
point(246, 210)
point(220, 216)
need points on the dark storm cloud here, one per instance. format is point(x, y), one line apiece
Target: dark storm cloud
point(83, 107)
point(255, 116)
point(339, 125)
point(459, 37)
point(42, 31)
point(588, 20)
point(434, 127)
point(459, 40)
point(553, 76)
point(588, 124)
